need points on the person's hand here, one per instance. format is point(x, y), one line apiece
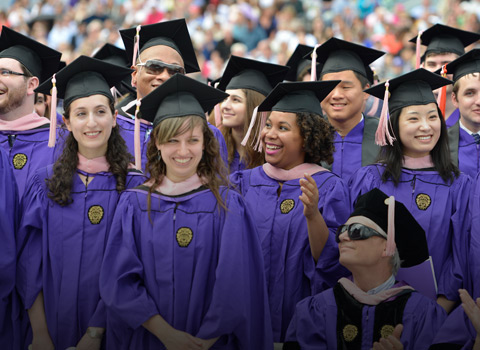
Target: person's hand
point(178, 340)
point(471, 308)
point(89, 343)
point(41, 342)
point(309, 196)
point(392, 342)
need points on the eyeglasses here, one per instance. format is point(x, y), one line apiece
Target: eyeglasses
point(7, 73)
point(156, 67)
point(357, 232)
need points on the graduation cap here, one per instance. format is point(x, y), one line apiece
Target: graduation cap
point(408, 236)
point(173, 34)
point(115, 55)
point(48, 20)
point(413, 88)
point(298, 64)
point(39, 59)
point(86, 76)
point(465, 64)
point(339, 55)
point(441, 39)
point(244, 73)
point(179, 96)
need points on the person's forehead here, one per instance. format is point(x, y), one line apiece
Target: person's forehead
point(442, 57)
point(10, 63)
point(344, 76)
point(162, 53)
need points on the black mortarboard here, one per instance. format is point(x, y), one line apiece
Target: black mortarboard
point(413, 88)
point(39, 59)
point(298, 64)
point(410, 237)
point(84, 77)
point(179, 96)
point(115, 55)
point(339, 55)
point(173, 34)
point(244, 73)
point(298, 97)
point(465, 64)
point(49, 21)
point(443, 39)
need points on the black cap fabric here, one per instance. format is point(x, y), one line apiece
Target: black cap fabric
point(244, 73)
point(179, 96)
point(413, 88)
point(173, 34)
point(441, 39)
point(409, 235)
point(298, 97)
point(39, 59)
point(466, 64)
point(339, 55)
point(86, 76)
point(298, 64)
point(49, 21)
point(115, 55)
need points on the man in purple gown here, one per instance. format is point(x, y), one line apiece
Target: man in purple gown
point(24, 63)
point(355, 135)
point(371, 307)
point(164, 49)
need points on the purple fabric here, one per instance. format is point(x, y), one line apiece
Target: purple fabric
point(446, 219)
point(27, 151)
point(453, 118)
point(315, 321)
point(290, 269)
point(61, 251)
point(468, 154)
point(236, 164)
point(347, 157)
point(457, 329)
point(474, 254)
point(8, 228)
point(214, 286)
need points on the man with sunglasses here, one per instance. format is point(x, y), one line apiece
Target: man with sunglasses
point(371, 309)
point(164, 49)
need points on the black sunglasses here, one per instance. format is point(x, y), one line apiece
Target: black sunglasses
point(156, 67)
point(357, 232)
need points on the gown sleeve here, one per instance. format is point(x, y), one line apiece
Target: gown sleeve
point(29, 239)
point(362, 181)
point(457, 332)
point(122, 273)
point(240, 284)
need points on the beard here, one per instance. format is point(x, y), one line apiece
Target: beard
point(15, 99)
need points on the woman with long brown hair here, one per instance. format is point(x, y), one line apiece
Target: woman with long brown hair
point(68, 209)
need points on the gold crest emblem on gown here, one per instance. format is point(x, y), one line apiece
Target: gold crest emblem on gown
point(95, 214)
point(350, 332)
point(184, 236)
point(287, 205)
point(19, 160)
point(423, 201)
point(386, 331)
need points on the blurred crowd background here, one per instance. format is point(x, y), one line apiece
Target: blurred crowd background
point(267, 30)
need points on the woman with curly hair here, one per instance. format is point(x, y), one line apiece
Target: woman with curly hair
point(247, 82)
point(183, 267)
point(415, 167)
point(299, 251)
point(68, 209)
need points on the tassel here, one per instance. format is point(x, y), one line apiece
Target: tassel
point(442, 96)
point(391, 246)
point(417, 49)
point(250, 127)
point(136, 45)
point(313, 70)
point(136, 139)
point(218, 115)
point(53, 115)
point(382, 135)
point(263, 120)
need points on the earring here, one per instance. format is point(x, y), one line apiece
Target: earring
point(159, 155)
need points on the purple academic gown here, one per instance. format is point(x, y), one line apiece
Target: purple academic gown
point(468, 154)
point(197, 266)
point(61, 251)
point(457, 332)
point(474, 254)
point(236, 164)
point(453, 118)
point(314, 325)
point(441, 209)
point(27, 151)
point(289, 266)
point(8, 228)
